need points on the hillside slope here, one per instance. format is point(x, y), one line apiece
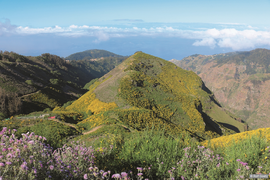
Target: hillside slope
point(29, 84)
point(145, 90)
point(240, 82)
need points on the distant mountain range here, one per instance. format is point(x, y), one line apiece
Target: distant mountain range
point(239, 80)
point(92, 54)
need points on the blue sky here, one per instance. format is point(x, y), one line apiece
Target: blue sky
point(165, 28)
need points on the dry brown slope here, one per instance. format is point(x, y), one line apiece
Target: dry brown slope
point(245, 94)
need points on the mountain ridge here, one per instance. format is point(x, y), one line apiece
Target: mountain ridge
point(239, 80)
point(92, 54)
point(145, 89)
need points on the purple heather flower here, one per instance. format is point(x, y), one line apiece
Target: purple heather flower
point(23, 166)
point(4, 149)
point(139, 168)
point(140, 174)
point(2, 164)
point(218, 164)
point(51, 167)
point(227, 163)
point(85, 176)
point(182, 177)
point(238, 160)
point(124, 174)
point(116, 176)
point(9, 155)
point(247, 167)
point(4, 129)
point(238, 170)
point(260, 167)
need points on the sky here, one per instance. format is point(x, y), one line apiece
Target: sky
point(170, 29)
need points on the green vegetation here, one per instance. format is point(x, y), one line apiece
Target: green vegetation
point(146, 90)
point(91, 54)
point(87, 85)
point(147, 154)
point(146, 115)
point(226, 119)
point(47, 81)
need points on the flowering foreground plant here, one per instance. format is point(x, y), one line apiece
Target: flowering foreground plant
point(30, 158)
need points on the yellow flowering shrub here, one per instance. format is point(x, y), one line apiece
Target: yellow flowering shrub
point(96, 106)
point(151, 75)
point(93, 121)
point(89, 102)
point(225, 141)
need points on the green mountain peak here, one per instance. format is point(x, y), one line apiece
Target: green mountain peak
point(145, 90)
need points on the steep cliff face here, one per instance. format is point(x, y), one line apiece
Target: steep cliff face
point(240, 81)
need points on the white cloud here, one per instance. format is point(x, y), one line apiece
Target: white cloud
point(211, 42)
point(73, 26)
point(212, 37)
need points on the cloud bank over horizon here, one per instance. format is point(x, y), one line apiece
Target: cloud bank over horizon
point(213, 37)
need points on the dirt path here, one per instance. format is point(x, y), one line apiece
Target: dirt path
point(93, 130)
point(34, 91)
point(71, 125)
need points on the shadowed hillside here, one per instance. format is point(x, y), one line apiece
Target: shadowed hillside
point(31, 84)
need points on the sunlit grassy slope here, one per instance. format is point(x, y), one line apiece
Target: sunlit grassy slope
point(145, 90)
point(226, 141)
point(223, 117)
